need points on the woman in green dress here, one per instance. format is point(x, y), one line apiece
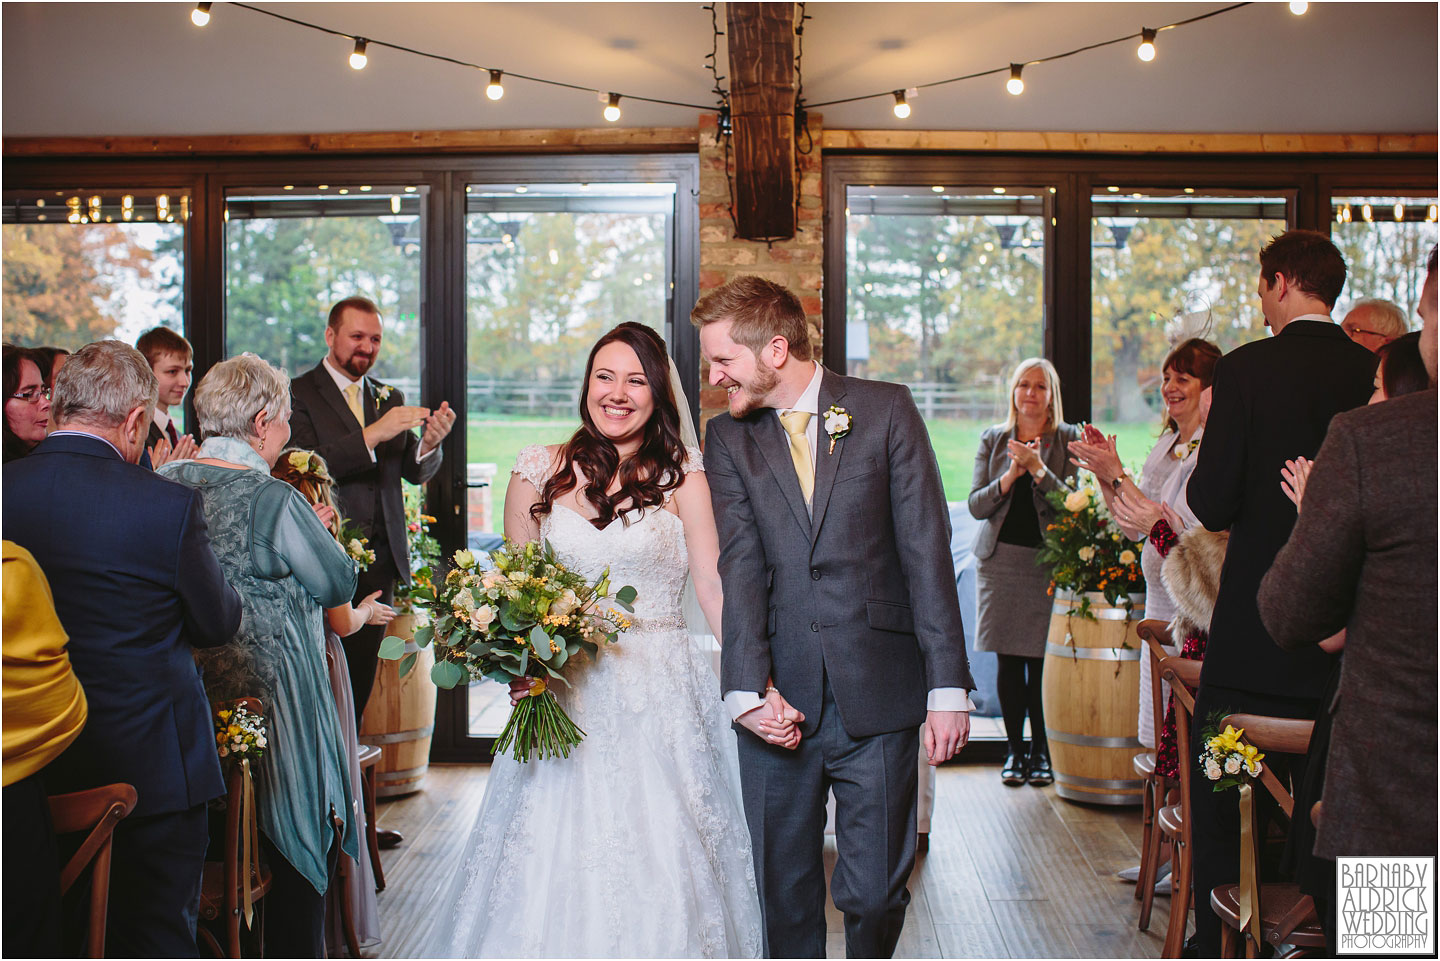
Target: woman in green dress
point(287, 569)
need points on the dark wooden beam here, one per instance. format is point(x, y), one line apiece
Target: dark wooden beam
point(762, 98)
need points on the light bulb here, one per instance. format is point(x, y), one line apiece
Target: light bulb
point(395, 204)
point(902, 109)
point(200, 15)
point(1399, 212)
point(1015, 85)
point(358, 58)
point(1367, 213)
point(612, 108)
point(1146, 50)
point(495, 90)
point(1298, 7)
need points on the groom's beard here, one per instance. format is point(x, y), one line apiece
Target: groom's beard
point(747, 400)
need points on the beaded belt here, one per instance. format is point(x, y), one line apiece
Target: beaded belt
point(669, 622)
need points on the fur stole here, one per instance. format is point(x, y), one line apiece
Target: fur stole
point(1191, 574)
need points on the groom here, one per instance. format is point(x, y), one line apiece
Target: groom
point(839, 600)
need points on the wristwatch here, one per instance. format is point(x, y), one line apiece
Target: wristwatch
point(1116, 484)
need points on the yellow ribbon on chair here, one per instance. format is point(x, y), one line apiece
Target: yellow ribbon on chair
point(249, 842)
point(1247, 891)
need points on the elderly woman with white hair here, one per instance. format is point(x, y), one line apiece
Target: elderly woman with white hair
point(287, 568)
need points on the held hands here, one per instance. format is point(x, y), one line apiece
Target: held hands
point(437, 427)
point(946, 732)
point(325, 512)
point(774, 721)
point(162, 453)
point(1294, 476)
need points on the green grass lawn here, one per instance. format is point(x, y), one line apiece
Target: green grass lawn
point(497, 440)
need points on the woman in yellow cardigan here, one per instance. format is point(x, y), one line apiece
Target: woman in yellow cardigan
point(43, 710)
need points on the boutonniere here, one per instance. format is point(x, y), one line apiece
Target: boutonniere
point(382, 392)
point(837, 424)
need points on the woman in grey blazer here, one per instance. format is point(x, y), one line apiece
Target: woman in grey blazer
point(1018, 463)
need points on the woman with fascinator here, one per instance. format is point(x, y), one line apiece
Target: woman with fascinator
point(636, 844)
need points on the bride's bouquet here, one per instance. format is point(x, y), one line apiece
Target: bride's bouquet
point(525, 615)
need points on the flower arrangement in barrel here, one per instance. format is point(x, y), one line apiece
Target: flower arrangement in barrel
point(424, 550)
point(522, 614)
point(1087, 552)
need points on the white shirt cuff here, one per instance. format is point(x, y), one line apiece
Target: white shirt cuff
point(431, 453)
point(740, 702)
point(948, 699)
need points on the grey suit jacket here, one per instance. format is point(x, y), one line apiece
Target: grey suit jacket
point(989, 504)
point(1362, 557)
point(864, 592)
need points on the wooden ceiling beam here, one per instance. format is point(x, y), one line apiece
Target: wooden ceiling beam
point(761, 41)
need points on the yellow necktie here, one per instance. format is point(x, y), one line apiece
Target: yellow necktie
point(352, 398)
point(795, 422)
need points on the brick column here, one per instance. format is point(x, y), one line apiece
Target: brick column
point(796, 263)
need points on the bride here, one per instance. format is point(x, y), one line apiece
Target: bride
point(636, 844)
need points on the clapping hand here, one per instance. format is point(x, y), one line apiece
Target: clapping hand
point(1293, 477)
point(437, 427)
point(1096, 453)
point(395, 421)
point(1024, 457)
point(1136, 511)
point(162, 453)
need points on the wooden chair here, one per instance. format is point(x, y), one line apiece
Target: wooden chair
point(222, 887)
point(1175, 819)
point(97, 811)
point(1286, 916)
point(1155, 634)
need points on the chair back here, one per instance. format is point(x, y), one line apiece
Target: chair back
point(97, 811)
point(1182, 675)
point(1156, 635)
point(1280, 735)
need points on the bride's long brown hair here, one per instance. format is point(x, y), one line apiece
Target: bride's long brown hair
point(654, 470)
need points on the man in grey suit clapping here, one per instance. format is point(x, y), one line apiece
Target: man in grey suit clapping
point(840, 616)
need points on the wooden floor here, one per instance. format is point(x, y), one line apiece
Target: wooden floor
point(1011, 872)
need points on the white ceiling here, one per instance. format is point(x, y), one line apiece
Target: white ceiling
point(92, 69)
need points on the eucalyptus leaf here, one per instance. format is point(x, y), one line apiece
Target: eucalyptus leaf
point(408, 662)
point(392, 648)
point(590, 647)
point(560, 657)
point(500, 675)
point(540, 641)
point(446, 674)
point(626, 595)
point(524, 659)
point(424, 635)
point(513, 618)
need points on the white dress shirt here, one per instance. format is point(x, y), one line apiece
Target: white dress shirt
point(343, 382)
point(740, 702)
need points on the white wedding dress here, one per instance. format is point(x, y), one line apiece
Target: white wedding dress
point(635, 845)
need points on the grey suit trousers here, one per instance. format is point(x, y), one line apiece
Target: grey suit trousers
point(875, 784)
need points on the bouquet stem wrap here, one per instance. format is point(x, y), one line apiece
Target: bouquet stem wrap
point(538, 725)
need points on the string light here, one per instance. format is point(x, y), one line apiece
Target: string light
point(1367, 213)
point(1399, 212)
point(200, 15)
point(395, 203)
point(162, 207)
point(612, 107)
point(495, 90)
point(1146, 50)
point(358, 58)
point(1298, 7)
point(1431, 214)
point(902, 109)
point(1015, 85)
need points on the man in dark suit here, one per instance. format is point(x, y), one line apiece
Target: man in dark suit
point(1273, 400)
point(833, 520)
point(170, 357)
point(364, 431)
point(136, 587)
point(1362, 558)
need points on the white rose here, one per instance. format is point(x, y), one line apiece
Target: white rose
point(1087, 553)
point(464, 601)
point(482, 616)
point(565, 603)
point(1233, 763)
point(491, 580)
point(1252, 768)
point(260, 741)
point(1076, 500)
point(356, 547)
point(1127, 557)
point(1212, 770)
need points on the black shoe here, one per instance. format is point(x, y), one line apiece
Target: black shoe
point(1014, 772)
point(1191, 948)
point(1040, 773)
point(388, 839)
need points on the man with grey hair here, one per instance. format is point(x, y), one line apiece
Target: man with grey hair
point(1372, 323)
point(136, 587)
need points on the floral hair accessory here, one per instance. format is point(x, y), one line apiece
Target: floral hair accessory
point(837, 424)
point(307, 463)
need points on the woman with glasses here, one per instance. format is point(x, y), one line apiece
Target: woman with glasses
point(27, 402)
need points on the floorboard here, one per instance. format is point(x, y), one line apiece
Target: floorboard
point(1011, 872)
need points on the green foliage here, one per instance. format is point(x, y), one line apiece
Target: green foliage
point(1085, 550)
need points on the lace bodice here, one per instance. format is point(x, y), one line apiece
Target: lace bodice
point(647, 553)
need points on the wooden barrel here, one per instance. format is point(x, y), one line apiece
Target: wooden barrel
point(400, 717)
point(1091, 693)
